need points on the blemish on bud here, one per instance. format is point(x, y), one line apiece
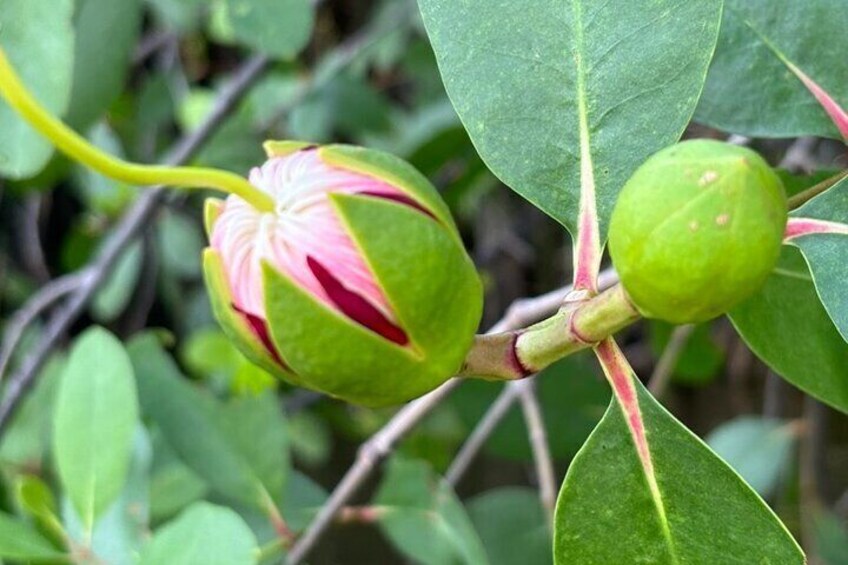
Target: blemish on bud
point(722, 219)
point(694, 225)
point(708, 177)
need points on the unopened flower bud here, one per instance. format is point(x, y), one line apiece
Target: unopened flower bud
point(356, 285)
point(697, 229)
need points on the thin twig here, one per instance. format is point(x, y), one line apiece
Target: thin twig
point(130, 225)
point(539, 445)
point(480, 435)
point(40, 302)
point(661, 376)
point(381, 444)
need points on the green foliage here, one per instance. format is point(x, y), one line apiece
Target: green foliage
point(759, 449)
point(203, 533)
point(422, 517)
point(279, 28)
point(750, 89)
point(827, 254)
point(239, 449)
point(607, 512)
point(772, 321)
point(21, 542)
point(512, 526)
point(603, 96)
point(37, 35)
point(96, 413)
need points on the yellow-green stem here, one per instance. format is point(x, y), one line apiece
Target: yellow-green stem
point(76, 147)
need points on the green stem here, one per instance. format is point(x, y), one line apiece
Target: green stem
point(77, 148)
point(517, 354)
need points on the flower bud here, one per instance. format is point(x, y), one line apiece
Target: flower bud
point(697, 229)
point(356, 285)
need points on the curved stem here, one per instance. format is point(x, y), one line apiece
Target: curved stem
point(77, 148)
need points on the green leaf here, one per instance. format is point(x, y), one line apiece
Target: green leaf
point(827, 253)
point(114, 295)
point(39, 40)
point(181, 244)
point(106, 32)
point(569, 97)
point(122, 529)
point(422, 517)
point(96, 413)
point(700, 512)
point(279, 28)
point(19, 541)
point(512, 525)
point(831, 539)
point(35, 499)
point(759, 449)
point(750, 89)
point(786, 326)
point(240, 449)
point(173, 486)
point(206, 534)
point(102, 194)
point(302, 501)
point(26, 442)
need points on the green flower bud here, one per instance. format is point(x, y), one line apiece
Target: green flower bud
point(697, 229)
point(357, 284)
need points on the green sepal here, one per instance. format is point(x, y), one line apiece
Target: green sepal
point(234, 325)
point(431, 285)
point(282, 148)
point(393, 171)
point(212, 208)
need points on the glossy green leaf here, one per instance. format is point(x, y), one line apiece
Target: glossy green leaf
point(173, 486)
point(206, 534)
point(422, 517)
point(827, 254)
point(302, 501)
point(181, 242)
point(19, 541)
point(787, 327)
point(559, 95)
point(750, 89)
point(759, 449)
point(279, 28)
point(701, 512)
point(512, 525)
point(39, 40)
point(106, 33)
point(35, 499)
point(96, 414)
point(239, 449)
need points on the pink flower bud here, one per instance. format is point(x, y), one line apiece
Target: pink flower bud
point(372, 297)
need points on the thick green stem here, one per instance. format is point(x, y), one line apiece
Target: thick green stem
point(76, 147)
point(803, 197)
point(517, 354)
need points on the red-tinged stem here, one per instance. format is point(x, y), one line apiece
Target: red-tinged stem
point(580, 325)
point(833, 109)
point(799, 227)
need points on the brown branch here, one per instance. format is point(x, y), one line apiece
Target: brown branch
point(539, 445)
point(130, 225)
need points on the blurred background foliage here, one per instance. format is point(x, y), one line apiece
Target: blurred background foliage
point(134, 76)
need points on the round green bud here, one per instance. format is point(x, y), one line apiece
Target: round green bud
point(697, 229)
